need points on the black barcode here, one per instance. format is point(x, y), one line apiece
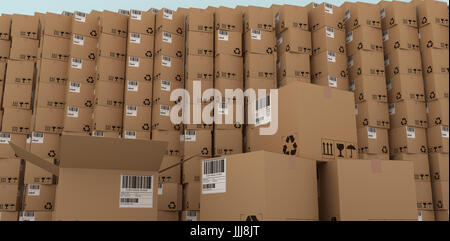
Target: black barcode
point(136, 182)
point(34, 187)
point(191, 213)
point(332, 54)
point(259, 119)
point(165, 107)
point(98, 133)
point(135, 83)
point(332, 78)
point(130, 133)
point(5, 135)
point(349, 34)
point(167, 34)
point(68, 14)
point(445, 128)
point(130, 107)
point(256, 31)
point(190, 133)
point(75, 60)
point(165, 82)
point(223, 105)
point(165, 58)
point(208, 186)
point(72, 108)
point(159, 185)
point(28, 214)
point(135, 35)
point(410, 129)
point(75, 84)
point(327, 5)
point(37, 134)
point(263, 102)
point(136, 12)
point(77, 36)
point(129, 200)
point(223, 32)
point(372, 129)
point(214, 166)
point(81, 14)
point(330, 29)
point(134, 59)
point(124, 12)
point(167, 11)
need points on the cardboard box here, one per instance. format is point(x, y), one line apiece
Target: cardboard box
point(440, 195)
point(233, 189)
point(24, 49)
point(361, 14)
point(113, 23)
point(400, 37)
point(52, 71)
point(228, 142)
point(5, 26)
point(403, 62)
point(83, 47)
point(10, 171)
point(140, 69)
point(364, 187)
point(173, 140)
point(107, 118)
point(437, 112)
point(373, 140)
point(228, 19)
point(199, 67)
point(78, 119)
point(369, 88)
point(294, 41)
point(49, 120)
point(331, 68)
point(326, 14)
point(228, 67)
point(196, 143)
point(259, 42)
point(101, 166)
point(372, 113)
point(9, 198)
point(291, 16)
point(44, 145)
point(327, 38)
point(6, 152)
point(439, 167)
point(438, 139)
point(140, 45)
point(365, 63)
point(408, 139)
point(112, 46)
point(5, 47)
point(204, 85)
point(224, 84)
point(421, 165)
point(199, 43)
point(86, 24)
point(142, 22)
point(228, 42)
point(169, 44)
point(405, 88)
point(441, 215)
point(109, 94)
point(109, 69)
point(170, 21)
point(163, 89)
point(161, 117)
point(138, 93)
point(435, 61)
point(169, 196)
point(229, 114)
point(408, 113)
point(170, 169)
point(424, 196)
point(57, 25)
point(50, 95)
point(17, 96)
point(137, 118)
point(83, 71)
point(35, 216)
point(190, 216)
point(191, 196)
point(436, 87)
point(39, 197)
point(168, 68)
point(429, 12)
point(201, 20)
point(433, 36)
point(363, 38)
point(258, 18)
point(55, 48)
point(259, 66)
point(16, 121)
point(395, 14)
point(80, 94)
point(9, 216)
point(293, 65)
point(24, 26)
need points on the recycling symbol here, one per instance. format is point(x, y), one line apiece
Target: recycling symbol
point(178, 78)
point(288, 48)
point(423, 149)
point(148, 77)
point(396, 70)
point(430, 44)
point(205, 151)
point(437, 176)
point(424, 20)
point(90, 79)
point(237, 125)
point(87, 128)
point(284, 72)
point(288, 151)
point(341, 49)
point(148, 54)
point(88, 103)
point(269, 50)
point(392, 21)
point(340, 26)
point(145, 127)
point(51, 153)
point(360, 45)
point(48, 206)
point(404, 121)
point(179, 54)
point(146, 102)
point(398, 96)
point(384, 149)
point(440, 205)
point(176, 127)
point(179, 31)
point(343, 73)
point(149, 30)
point(172, 205)
point(361, 96)
point(438, 121)
point(237, 51)
point(93, 33)
point(359, 71)
point(355, 23)
point(217, 74)
point(365, 122)
point(432, 95)
point(91, 56)
point(429, 69)
point(396, 45)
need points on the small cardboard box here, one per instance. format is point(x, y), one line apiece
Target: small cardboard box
point(86, 24)
point(326, 14)
point(169, 196)
point(363, 38)
point(408, 113)
point(142, 22)
point(408, 139)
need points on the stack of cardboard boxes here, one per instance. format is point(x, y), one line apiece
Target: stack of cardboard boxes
point(328, 62)
point(433, 21)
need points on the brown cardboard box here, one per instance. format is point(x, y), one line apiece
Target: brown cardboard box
point(140, 45)
point(80, 94)
point(83, 47)
point(138, 93)
point(206, 109)
point(259, 42)
point(170, 160)
point(369, 88)
point(16, 121)
point(130, 134)
point(199, 43)
point(57, 25)
point(138, 68)
point(373, 140)
point(408, 113)
point(24, 49)
point(170, 21)
point(173, 140)
point(110, 69)
point(44, 145)
point(52, 71)
point(424, 196)
point(9, 198)
point(161, 117)
point(405, 88)
point(78, 119)
point(142, 22)
point(228, 142)
point(86, 24)
point(259, 66)
point(433, 36)
point(440, 195)
point(109, 94)
point(50, 95)
point(39, 197)
point(363, 38)
point(400, 37)
point(5, 47)
point(169, 196)
point(365, 63)
point(397, 14)
point(137, 118)
point(229, 67)
point(107, 118)
point(48, 120)
point(112, 46)
point(163, 88)
point(5, 26)
point(101, 166)
point(55, 48)
point(327, 38)
point(403, 62)
point(408, 139)
point(228, 42)
point(229, 114)
point(9, 216)
point(429, 12)
point(24, 26)
point(5, 138)
point(294, 41)
point(168, 68)
point(331, 67)
point(438, 139)
point(17, 96)
point(259, 18)
point(361, 14)
point(248, 198)
point(199, 67)
point(441, 215)
point(372, 113)
point(10, 171)
point(436, 87)
point(191, 196)
point(168, 216)
point(421, 165)
point(293, 65)
point(191, 170)
point(113, 23)
point(228, 19)
point(439, 167)
point(204, 85)
point(172, 174)
point(290, 16)
point(222, 84)
point(367, 190)
point(201, 20)
point(190, 216)
point(435, 61)
point(325, 14)
point(83, 71)
point(35, 216)
point(196, 143)
point(437, 112)
point(169, 44)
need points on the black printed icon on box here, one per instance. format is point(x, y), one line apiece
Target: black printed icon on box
point(290, 145)
point(327, 148)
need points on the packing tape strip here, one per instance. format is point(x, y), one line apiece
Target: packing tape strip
point(327, 92)
point(376, 166)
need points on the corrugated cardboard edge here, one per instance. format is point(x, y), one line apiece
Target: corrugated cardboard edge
point(32, 158)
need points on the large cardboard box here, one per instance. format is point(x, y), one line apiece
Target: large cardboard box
point(39, 197)
point(228, 42)
point(137, 118)
point(437, 112)
point(110, 69)
point(169, 196)
point(140, 45)
point(327, 38)
point(127, 188)
point(169, 44)
point(434, 36)
point(18, 96)
point(24, 26)
point(113, 23)
point(294, 41)
point(372, 113)
point(109, 94)
point(291, 16)
point(259, 42)
point(170, 21)
point(326, 14)
point(138, 93)
point(140, 69)
point(355, 190)
point(440, 195)
point(162, 90)
point(225, 183)
point(396, 13)
point(82, 71)
point(229, 114)
point(168, 68)
point(55, 48)
point(361, 14)
point(420, 162)
point(196, 143)
point(142, 22)
point(436, 87)
point(19, 72)
point(369, 88)
point(173, 140)
point(50, 95)
point(86, 24)
point(199, 67)
point(83, 47)
point(5, 47)
point(228, 19)
point(228, 142)
point(80, 94)
point(10, 171)
point(170, 169)
point(24, 49)
point(432, 12)
point(291, 65)
point(400, 37)
point(16, 121)
point(258, 18)
point(49, 120)
point(405, 88)
point(259, 66)
point(363, 38)
point(161, 117)
point(52, 71)
point(435, 61)
point(408, 113)
point(6, 152)
point(107, 118)
point(330, 69)
point(5, 27)
point(438, 139)
point(197, 120)
point(408, 139)
point(112, 46)
point(9, 197)
point(373, 140)
point(199, 43)
point(403, 62)
point(439, 167)
point(78, 119)
point(44, 145)
point(201, 20)
point(228, 67)
point(365, 63)
point(424, 196)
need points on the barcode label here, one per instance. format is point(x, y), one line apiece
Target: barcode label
point(329, 32)
point(391, 109)
point(5, 138)
point(166, 61)
point(74, 87)
point(444, 131)
point(256, 34)
point(34, 190)
point(72, 111)
point(124, 12)
point(263, 111)
point(372, 133)
point(131, 110)
point(130, 134)
point(347, 15)
point(190, 135)
point(388, 84)
point(77, 63)
point(133, 61)
point(167, 37)
point(98, 133)
point(191, 216)
point(132, 86)
point(331, 56)
point(27, 216)
point(165, 85)
point(78, 39)
point(385, 36)
point(382, 13)
point(80, 17)
point(328, 8)
point(136, 15)
point(410, 132)
point(419, 216)
point(349, 37)
point(67, 14)
point(160, 189)
point(222, 109)
point(37, 137)
point(386, 60)
point(135, 38)
point(214, 176)
point(164, 110)
point(332, 81)
point(136, 191)
point(349, 61)
point(222, 35)
point(356, 109)
point(352, 85)
point(167, 14)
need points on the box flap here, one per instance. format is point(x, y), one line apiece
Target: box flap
point(110, 153)
point(24, 154)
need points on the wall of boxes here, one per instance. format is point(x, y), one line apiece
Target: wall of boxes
point(112, 74)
